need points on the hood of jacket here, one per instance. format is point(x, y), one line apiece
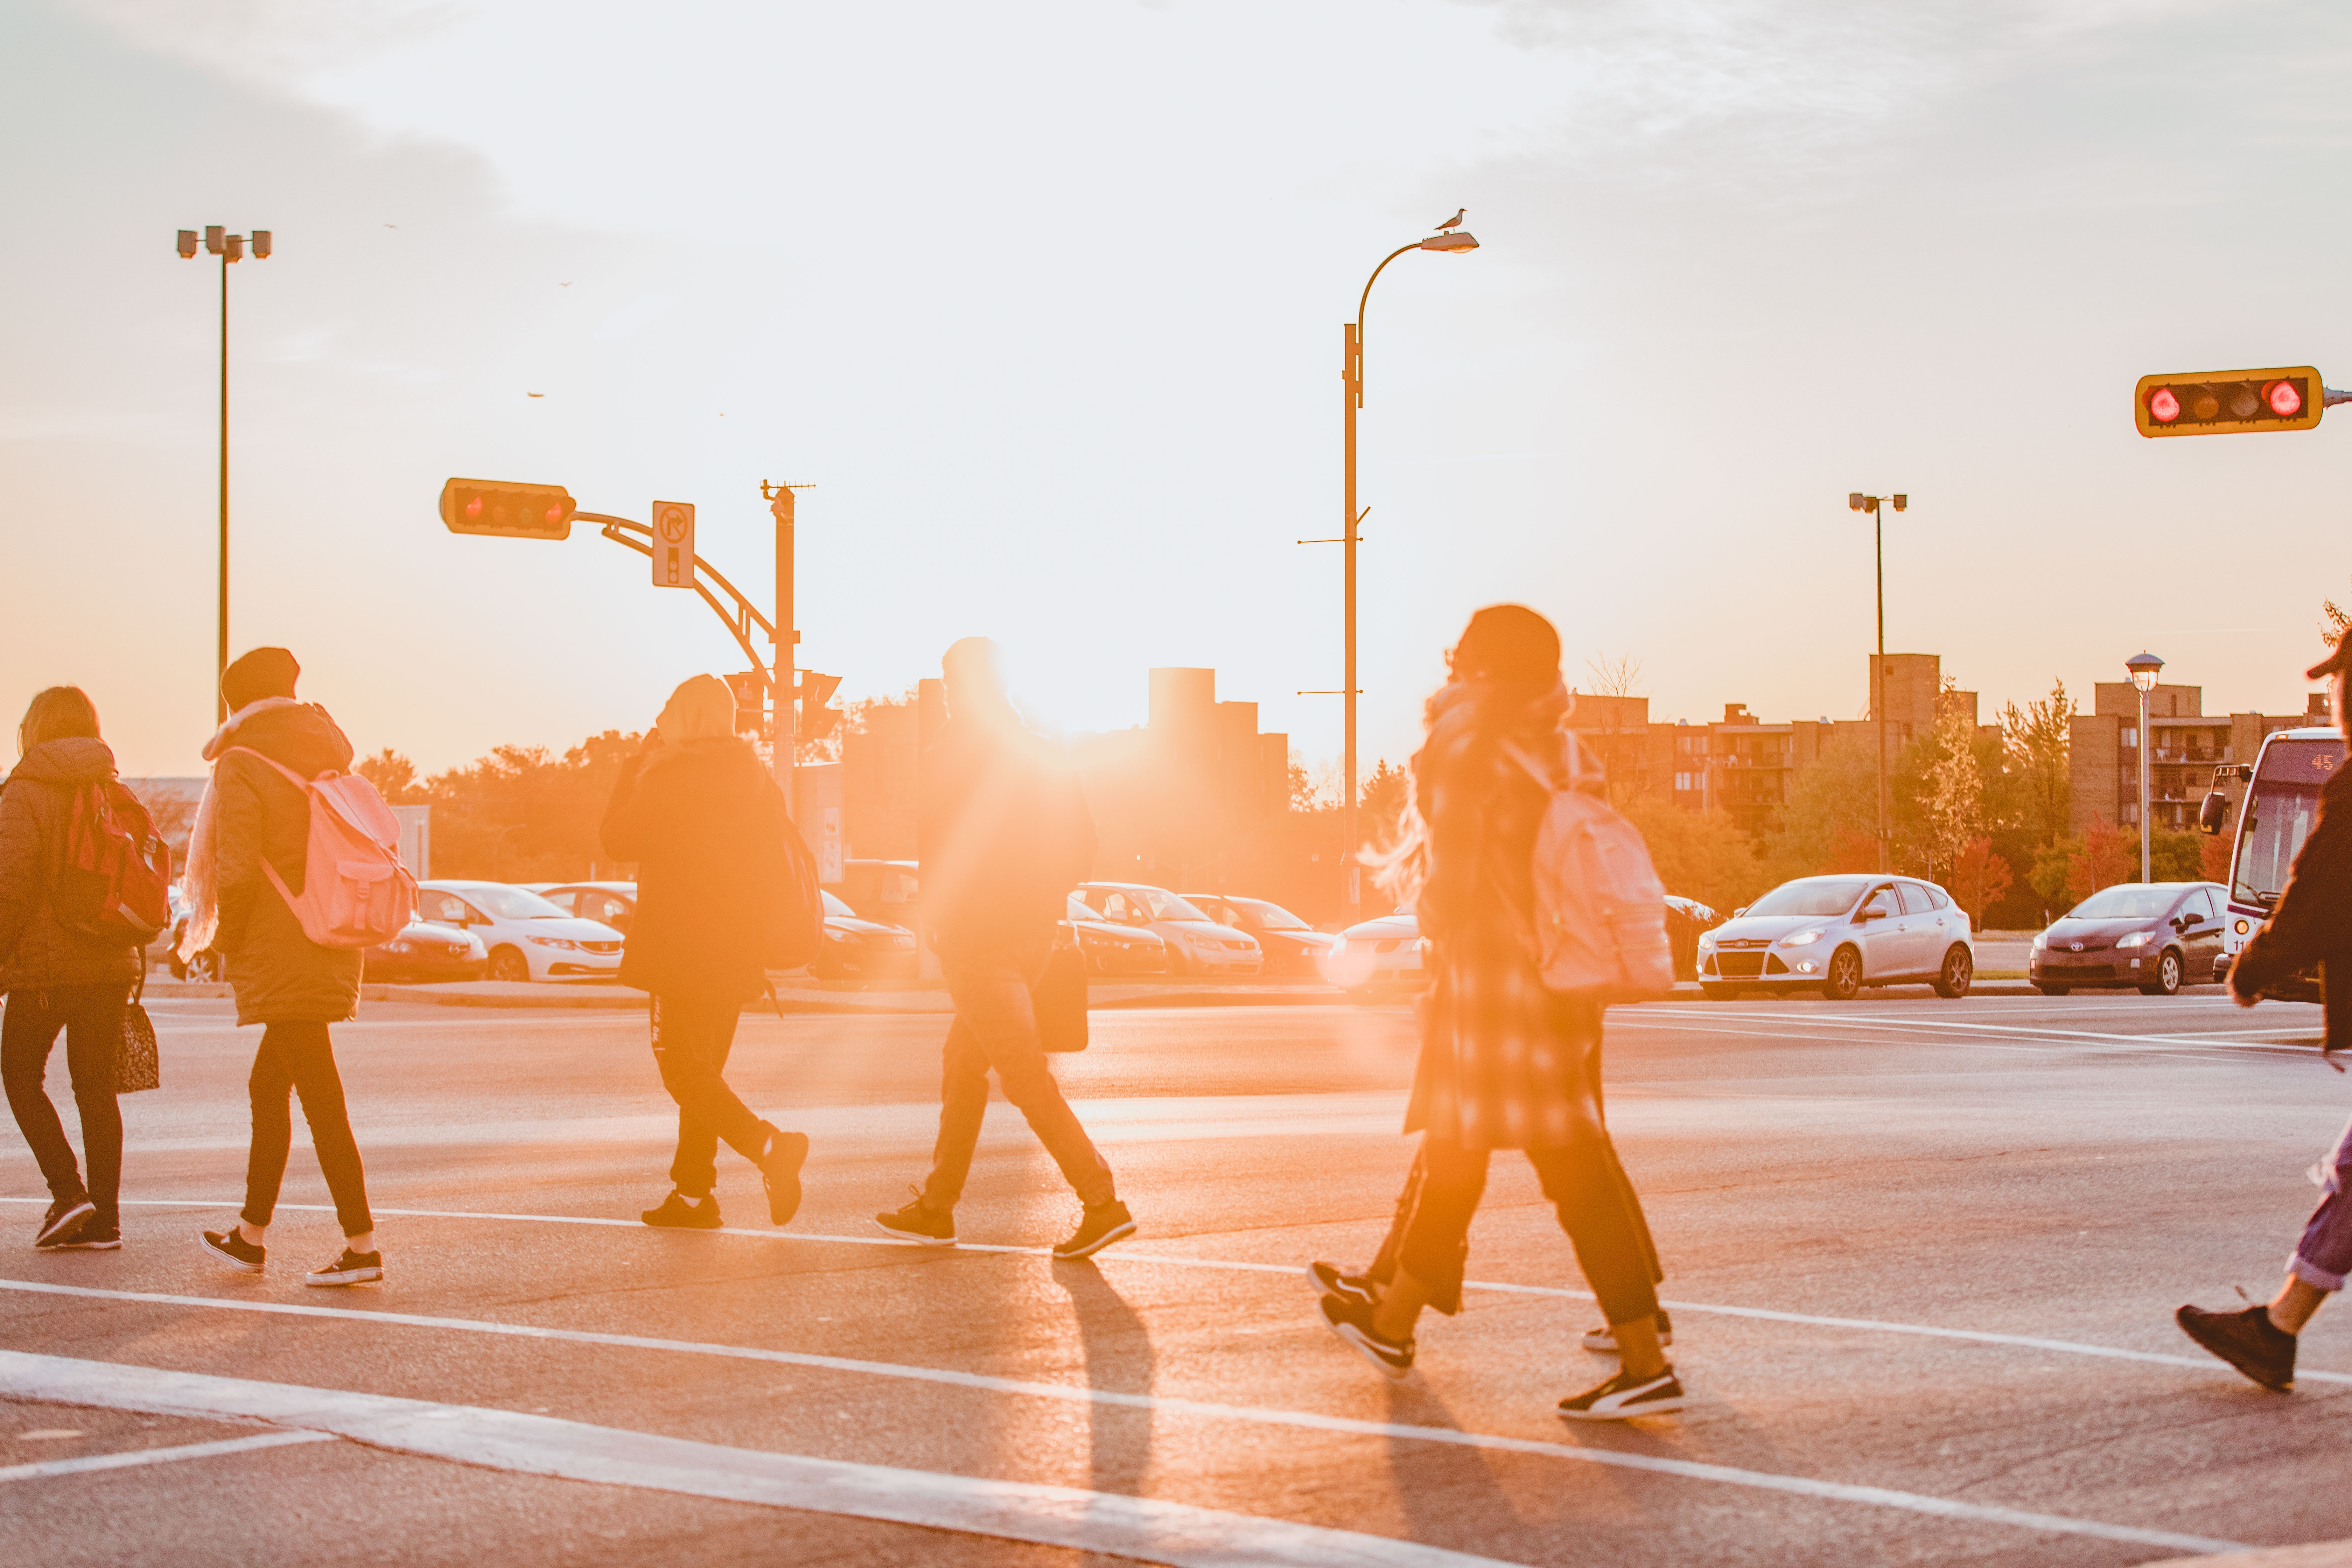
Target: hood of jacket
point(77, 759)
point(296, 735)
point(719, 760)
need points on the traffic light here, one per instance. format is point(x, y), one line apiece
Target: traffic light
point(750, 689)
point(818, 720)
point(517, 511)
point(2229, 402)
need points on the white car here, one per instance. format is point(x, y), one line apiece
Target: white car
point(1196, 944)
point(1837, 934)
point(1375, 951)
point(527, 938)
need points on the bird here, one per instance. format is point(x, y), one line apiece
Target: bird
point(534, 394)
point(563, 285)
point(391, 226)
point(1454, 222)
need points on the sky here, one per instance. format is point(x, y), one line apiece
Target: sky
point(1044, 302)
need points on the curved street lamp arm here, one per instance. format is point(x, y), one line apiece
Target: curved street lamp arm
point(1360, 306)
point(739, 621)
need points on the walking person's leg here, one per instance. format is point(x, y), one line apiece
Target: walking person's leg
point(93, 1020)
point(242, 1245)
point(1430, 1237)
point(309, 1052)
point(29, 1029)
point(694, 1169)
point(1602, 1217)
point(694, 1037)
point(963, 1104)
point(2261, 1341)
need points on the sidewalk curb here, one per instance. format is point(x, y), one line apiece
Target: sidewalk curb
point(2314, 1554)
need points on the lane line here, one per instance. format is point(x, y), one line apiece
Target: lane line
point(1140, 1528)
point(2168, 1043)
point(1293, 1271)
point(1687, 1469)
point(131, 1460)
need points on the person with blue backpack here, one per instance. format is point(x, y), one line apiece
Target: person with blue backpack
point(1511, 1033)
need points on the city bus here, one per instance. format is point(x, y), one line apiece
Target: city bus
point(2281, 800)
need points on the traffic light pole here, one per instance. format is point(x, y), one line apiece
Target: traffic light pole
point(787, 736)
point(743, 621)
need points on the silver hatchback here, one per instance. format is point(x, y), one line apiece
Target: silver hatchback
point(1838, 934)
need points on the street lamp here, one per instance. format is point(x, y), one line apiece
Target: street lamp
point(229, 247)
point(2144, 668)
point(1450, 237)
point(1857, 501)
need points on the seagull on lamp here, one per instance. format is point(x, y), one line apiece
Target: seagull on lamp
point(1454, 222)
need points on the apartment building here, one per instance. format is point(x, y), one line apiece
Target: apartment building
point(2186, 745)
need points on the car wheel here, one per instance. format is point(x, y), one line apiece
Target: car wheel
point(1719, 993)
point(2053, 990)
point(508, 965)
point(1844, 982)
point(1958, 969)
point(2167, 976)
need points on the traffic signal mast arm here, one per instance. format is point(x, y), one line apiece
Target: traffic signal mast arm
point(740, 621)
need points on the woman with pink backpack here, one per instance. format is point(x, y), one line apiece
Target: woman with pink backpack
point(245, 871)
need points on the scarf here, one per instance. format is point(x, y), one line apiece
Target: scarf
point(200, 878)
point(1528, 728)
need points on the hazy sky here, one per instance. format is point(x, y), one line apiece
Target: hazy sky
point(1044, 300)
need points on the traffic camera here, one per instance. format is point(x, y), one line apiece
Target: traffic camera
point(517, 511)
point(2229, 402)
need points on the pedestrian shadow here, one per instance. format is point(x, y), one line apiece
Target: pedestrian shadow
point(1438, 1485)
point(1119, 1359)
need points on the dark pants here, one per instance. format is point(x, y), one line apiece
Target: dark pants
point(300, 1058)
point(996, 1028)
point(91, 1017)
point(692, 1035)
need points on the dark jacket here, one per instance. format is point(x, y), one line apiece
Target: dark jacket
point(35, 950)
point(2312, 923)
point(279, 976)
point(1004, 835)
point(705, 822)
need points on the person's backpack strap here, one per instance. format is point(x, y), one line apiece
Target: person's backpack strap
point(291, 776)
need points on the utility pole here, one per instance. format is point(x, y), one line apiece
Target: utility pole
point(1857, 501)
point(786, 676)
point(1352, 386)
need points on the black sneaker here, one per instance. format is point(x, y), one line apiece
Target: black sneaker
point(678, 1212)
point(231, 1248)
point(351, 1269)
point(1331, 1279)
point(63, 1217)
point(916, 1223)
point(1603, 1339)
point(1625, 1396)
point(1352, 1321)
point(779, 1168)
point(1101, 1224)
point(91, 1237)
point(2248, 1340)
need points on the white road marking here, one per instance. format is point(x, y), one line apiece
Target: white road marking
point(2035, 1032)
point(131, 1460)
point(1761, 1480)
point(1109, 1523)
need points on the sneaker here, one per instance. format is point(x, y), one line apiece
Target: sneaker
point(1101, 1224)
point(781, 1168)
point(231, 1248)
point(1331, 1279)
point(1352, 1321)
point(91, 1237)
point(63, 1215)
point(351, 1269)
point(679, 1212)
point(1602, 1339)
point(2248, 1340)
point(1625, 1396)
point(916, 1223)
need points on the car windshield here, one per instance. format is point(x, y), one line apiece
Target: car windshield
point(1166, 906)
point(1273, 917)
point(2126, 902)
point(1812, 896)
point(1078, 910)
point(836, 909)
point(514, 903)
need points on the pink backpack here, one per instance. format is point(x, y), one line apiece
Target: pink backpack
point(355, 892)
point(1601, 910)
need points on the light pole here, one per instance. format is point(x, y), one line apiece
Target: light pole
point(2144, 668)
point(1857, 501)
point(229, 247)
point(1450, 237)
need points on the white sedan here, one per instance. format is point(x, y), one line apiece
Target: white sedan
point(1373, 952)
point(527, 938)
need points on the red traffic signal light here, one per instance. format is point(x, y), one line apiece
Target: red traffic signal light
point(517, 511)
point(2229, 402)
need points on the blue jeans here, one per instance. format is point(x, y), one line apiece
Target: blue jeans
point(2324, 1256)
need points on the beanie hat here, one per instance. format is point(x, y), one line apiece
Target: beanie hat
point(1507, 643)
point(262, 672)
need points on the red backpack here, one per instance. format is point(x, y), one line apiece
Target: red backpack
point(114, 884)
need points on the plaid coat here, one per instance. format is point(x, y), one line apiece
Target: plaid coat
point(1504, 1062)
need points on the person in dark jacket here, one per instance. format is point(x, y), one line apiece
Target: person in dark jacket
point(290, 986)
point(58, 978)
point(1505, 1063)
point(2311, 926)
point(705, 824)
point(1005, 837)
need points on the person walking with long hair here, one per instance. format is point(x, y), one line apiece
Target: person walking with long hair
point(254, 820)
point(1504, 1062)
point(59, 978)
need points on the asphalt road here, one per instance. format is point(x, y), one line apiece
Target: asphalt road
point(1922, 1257)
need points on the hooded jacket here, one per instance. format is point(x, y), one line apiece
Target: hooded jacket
point(1004, 835)
point(279, 976)
point(35, 950)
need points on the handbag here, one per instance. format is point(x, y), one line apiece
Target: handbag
point(136, 1064)
point(1060, 1000)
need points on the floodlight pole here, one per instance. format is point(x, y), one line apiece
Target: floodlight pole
point(1858, 502)
point(229, 247)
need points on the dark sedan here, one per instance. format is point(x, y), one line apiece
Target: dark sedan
point(425, 951)
point(1291, 946)
point(2154, 936)
point(862, 949)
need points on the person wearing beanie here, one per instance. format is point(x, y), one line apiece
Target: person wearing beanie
point(283, 981)
point(712, 840)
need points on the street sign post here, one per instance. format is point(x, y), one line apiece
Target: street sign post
point(673, 544)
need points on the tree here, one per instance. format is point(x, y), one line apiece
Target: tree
point(2104, 856)
point(1831, 816)
point(2034, 743)
point(393, 775)
point(1980, 879)
point(1303, 796)
point(522, 814)
point(1950, 797)
point(2213, 858)
point(1382, 802)
point(1699, 854)
point(2336, 620)
point(1619, 740)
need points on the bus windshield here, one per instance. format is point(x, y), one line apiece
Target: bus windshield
point(2280, 809)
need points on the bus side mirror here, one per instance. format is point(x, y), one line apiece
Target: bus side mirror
point(2210, 814)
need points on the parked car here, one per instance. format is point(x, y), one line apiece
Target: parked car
point(885, 890)
point(614, 903)
point(526, 937)
point(861, 948)
point(206, 965)
point(1196, 944)
point(1371, 953)
point(1838, 934)
point(426, 951)
point(1291, 946)
point(1112, 949)
point(2156, 936)
point(1685, 919)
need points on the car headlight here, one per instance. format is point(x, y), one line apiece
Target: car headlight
point(2241, 928)
point(2040, 940)
point(1707, 939)
point(2137, 938)
point(396, 947)
point(1803, 939)
point(834, 934)
point(563, 941)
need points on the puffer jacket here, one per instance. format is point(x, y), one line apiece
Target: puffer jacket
point(35, 950)
point(279, 976)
